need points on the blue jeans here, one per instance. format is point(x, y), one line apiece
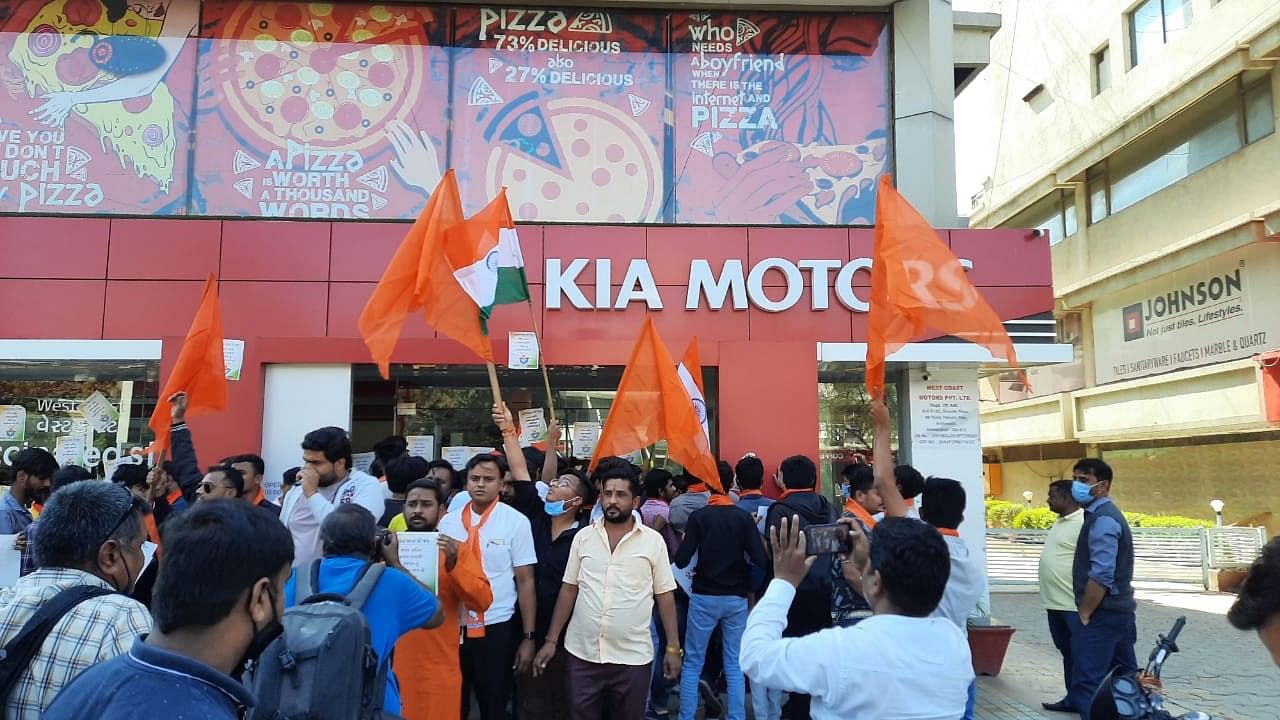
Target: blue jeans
point(705, 612)
point(973, 700)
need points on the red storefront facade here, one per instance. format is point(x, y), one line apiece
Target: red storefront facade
point(293, 292)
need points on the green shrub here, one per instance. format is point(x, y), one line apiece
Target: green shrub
point(1000, 513)
point(1137, 519)
point(1175, 521)
point(1034, 519)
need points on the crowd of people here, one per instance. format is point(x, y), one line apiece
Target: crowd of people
point(560, 593)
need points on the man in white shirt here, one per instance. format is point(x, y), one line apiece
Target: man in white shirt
point(1056, 559)
point(494, 637)
point(325, 481)
point(872, 669)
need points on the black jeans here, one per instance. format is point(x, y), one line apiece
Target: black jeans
point(486, 669)
point(1062, 625)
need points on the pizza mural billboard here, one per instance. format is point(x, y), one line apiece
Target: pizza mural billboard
point(320, 110)
point(563, 107)
point(779, 118)
point(233, 108)
point(95, 105)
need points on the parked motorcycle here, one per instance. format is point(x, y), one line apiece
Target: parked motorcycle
point(1136, 696)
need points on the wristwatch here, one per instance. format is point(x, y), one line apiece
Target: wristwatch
point(675, 650)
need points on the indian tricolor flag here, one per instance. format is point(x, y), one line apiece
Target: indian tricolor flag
point(690, 372)
point(484, 253)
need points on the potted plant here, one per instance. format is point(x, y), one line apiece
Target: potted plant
point(988, 642)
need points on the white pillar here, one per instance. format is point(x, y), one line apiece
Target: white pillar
point(943, 441)
point(296, 400)
point(923, 108)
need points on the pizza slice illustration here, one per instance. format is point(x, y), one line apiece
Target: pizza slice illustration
point(592, 22)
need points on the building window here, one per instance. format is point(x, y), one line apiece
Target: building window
point(1259, 111)
point(1155, 23)
point(1054, 214)
point(1220, 124)
point(1102, 69)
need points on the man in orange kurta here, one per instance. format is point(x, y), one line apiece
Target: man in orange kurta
point(426, 661)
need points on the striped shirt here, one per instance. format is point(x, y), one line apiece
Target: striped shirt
point(95, 630)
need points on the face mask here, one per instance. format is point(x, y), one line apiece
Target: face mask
point(261, 638)
point(1082, 492)
point(554, 509)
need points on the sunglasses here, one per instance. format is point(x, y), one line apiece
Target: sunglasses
point(209, 487)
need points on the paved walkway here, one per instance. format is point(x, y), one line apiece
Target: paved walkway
point(1219, 670)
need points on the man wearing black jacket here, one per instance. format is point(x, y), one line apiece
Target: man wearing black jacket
point(186, 470)
point(554, 523)
point(724, 537)
point(811, 609)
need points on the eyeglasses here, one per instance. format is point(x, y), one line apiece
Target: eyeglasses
point(120, 521)
point(208, 487)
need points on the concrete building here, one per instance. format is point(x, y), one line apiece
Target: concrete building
point(1139, 137)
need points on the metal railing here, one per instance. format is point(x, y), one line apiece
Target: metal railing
point(1162, 555)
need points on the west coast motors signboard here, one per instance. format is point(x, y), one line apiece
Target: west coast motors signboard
point(1223, 309)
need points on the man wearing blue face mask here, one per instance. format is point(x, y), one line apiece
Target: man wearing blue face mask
point(554, 522)
point(1102, 579)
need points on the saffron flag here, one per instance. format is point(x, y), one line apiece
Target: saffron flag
point(651, 405)
point(484, 253)
point(200, 371)
point(917, 282)
point(419, 278)
point(690, 372)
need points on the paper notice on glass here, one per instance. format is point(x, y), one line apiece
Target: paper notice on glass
point(69, 450)
point(456, 456)
point(13, 423)
point(362, 461)
point(10, 561)
point(684, 575)
point(585, 437)
point(522, 351)
point(100, 413)
point(423, 446)
point(533, 427)
point(233, 357)
point(420, 555)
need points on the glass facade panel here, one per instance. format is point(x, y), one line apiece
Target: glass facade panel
point(86, 413)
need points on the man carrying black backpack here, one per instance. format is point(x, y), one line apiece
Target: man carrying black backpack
point(811, 609)
point(392, 601)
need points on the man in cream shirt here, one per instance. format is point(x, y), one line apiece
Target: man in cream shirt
point(617, 570)
point(1056, 558)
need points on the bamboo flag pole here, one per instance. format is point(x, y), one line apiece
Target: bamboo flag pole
point(542, 361)
point(493, 383)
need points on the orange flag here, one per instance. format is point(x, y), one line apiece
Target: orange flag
point(200, 371)
point(651, 405)
point(916, 282)
point(419, 278)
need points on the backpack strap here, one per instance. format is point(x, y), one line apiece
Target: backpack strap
point(365, 582)
point(307, 582)
point(18, 653)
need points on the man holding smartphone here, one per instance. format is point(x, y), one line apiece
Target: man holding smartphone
point(856, 672)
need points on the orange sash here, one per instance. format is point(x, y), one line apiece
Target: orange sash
point(789, 493)
point(853, 508)
point(949, 532)
point(719, 500)
point(475, 618)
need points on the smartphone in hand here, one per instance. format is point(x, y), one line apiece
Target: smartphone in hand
point(827, 539)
